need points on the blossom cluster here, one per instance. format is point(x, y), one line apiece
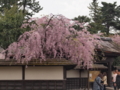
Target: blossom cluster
point(54, 37)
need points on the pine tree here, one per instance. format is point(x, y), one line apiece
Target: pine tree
point(28, 7)
point(95, 13)
point(109, 15)
point(13, 14)
point(7, 4)
point(10, 24)
point(83, 20)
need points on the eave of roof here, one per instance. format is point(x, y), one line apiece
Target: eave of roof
point(108, 47)
point(49, 62)
point(94, 66)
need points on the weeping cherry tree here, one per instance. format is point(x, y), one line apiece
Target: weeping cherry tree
point(53, 36)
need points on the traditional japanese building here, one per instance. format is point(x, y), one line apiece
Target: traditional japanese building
point(56, 74)
point(84, 78)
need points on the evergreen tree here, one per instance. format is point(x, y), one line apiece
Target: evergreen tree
point(82, 20)
point(10, 24)
point(117, 18)
point(94, 10)
point(95, 13)
point(110, 15)
point(13, 13)
point(7, 4)
point(28, 7)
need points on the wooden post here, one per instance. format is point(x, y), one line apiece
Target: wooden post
point(109, 74)
point(64, 73)
point(80, 78)
point(23, 77)
point(23, 72)
point(88, 81)
point(109, 79)
point(64, 78)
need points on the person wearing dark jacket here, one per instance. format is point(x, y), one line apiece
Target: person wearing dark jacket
point(97, 83)
point(118, 81)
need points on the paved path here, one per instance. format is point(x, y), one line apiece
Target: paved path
point(80, 89)
point(107, 88)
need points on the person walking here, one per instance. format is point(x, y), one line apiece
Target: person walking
point(104, 80)
point(97, 83)
point(118, 81)
point(114, 78)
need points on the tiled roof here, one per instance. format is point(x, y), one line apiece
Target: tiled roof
point(94, 66)
point(50, 61)
point(108, 46)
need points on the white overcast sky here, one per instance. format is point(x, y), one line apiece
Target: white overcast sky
point(68, 8)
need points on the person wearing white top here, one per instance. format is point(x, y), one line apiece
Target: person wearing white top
point(104, 79)
point(114, 79)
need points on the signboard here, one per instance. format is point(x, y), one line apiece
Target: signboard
point(93, 75)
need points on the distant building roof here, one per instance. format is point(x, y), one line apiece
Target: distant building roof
point(94, 66)
point(109, 47)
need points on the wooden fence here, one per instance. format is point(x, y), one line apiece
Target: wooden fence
point(32, 85)
point(69, 84)
point(77, 83)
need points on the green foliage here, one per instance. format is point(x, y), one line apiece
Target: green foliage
point(95, 13)
point(104, 17)
point(96, 27)
point(116, 61)
point(10, 24)
point(81, 19)
point(117, 19)
point(28, 7)
point(7, 4)
point(109, 14)
point(12, 15)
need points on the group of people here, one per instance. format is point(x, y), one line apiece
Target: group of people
point(100, 82)
point(116, 80)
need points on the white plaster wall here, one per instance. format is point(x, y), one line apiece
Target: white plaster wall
point(84, 73)
point(44, 73)
point(73, 74)
point(10, 73)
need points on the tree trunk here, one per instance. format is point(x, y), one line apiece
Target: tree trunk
point(24, 5)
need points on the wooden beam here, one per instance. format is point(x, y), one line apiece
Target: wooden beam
point(64, 77)
point(23, 72)
point(64, 72)
point(88, 86)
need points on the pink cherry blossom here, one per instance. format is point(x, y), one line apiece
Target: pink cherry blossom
point(54, 37)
